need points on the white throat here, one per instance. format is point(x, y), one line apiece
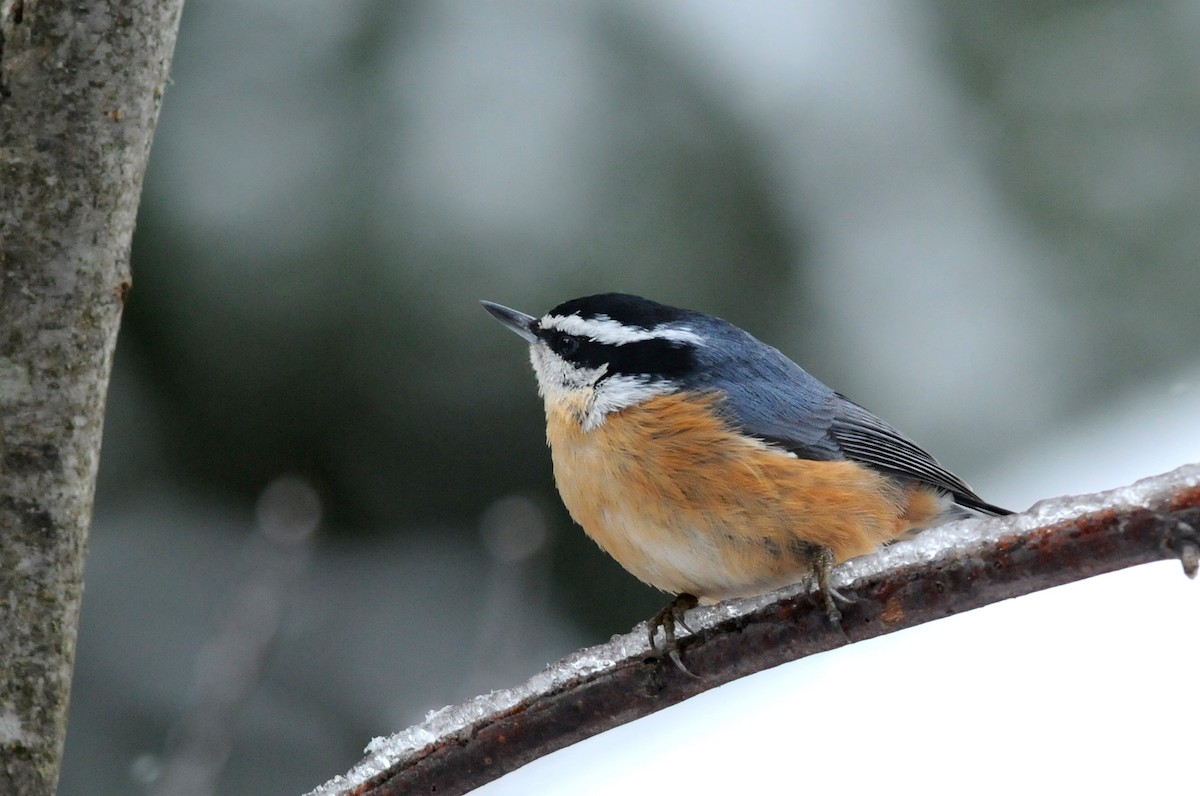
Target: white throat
point(590, 395)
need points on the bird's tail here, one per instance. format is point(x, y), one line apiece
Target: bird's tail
point(974, 505)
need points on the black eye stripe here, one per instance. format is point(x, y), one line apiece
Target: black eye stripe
point(660, 358)
point(654, 358)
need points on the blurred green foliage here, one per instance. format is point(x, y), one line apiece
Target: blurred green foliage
point(1090, 112)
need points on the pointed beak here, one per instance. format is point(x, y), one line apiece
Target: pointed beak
point(517, 322)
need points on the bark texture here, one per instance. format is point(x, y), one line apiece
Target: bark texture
point(80, 86)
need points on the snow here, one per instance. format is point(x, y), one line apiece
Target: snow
point(999, 698)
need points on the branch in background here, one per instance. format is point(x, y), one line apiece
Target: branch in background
point(232, 663)
point(944, 571)
point(80, 87)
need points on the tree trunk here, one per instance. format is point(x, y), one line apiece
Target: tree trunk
point(80, 87)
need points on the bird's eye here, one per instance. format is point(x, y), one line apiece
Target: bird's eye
point(566, 345)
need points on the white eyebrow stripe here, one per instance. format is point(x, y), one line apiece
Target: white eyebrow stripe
point(603, 329)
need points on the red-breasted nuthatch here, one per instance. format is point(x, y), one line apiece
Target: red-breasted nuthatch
point(710, 465)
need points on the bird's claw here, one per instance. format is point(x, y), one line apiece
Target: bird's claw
point(667, 619)
point(829, 596)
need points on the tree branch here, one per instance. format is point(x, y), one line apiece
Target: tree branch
point(80, 87)
point(943, 571)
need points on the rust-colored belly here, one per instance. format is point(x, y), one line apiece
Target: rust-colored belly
point(690, 506)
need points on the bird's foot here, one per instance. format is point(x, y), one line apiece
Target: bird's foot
point(821, 560)
point(667, 619)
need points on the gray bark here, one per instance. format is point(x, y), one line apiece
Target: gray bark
point(80, 87)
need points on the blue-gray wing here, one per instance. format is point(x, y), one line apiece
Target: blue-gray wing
point(865, 438)
point(768, 396)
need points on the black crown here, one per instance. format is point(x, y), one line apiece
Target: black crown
point(625, 309)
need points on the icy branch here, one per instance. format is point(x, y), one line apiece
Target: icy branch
point(944, 571)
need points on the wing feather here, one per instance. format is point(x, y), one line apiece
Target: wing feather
point(865, 438)
point(767, 395)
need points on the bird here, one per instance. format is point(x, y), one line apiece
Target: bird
point(712, 466)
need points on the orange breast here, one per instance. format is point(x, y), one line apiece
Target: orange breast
point(689, 506)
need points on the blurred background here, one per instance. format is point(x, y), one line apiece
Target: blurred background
point(325, 504)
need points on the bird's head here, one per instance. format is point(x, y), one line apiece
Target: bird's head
point(600, 354)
